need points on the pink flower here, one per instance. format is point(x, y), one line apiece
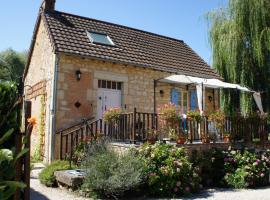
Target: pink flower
point(187, 189)
point(175, 189)
point(262, 174)
point(152, 174)
point(178, 183)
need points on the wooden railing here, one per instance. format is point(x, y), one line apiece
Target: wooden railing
point(135, 127)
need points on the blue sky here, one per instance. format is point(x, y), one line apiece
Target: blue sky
point(181, 19)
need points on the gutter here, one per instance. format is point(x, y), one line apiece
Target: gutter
point(53, 110)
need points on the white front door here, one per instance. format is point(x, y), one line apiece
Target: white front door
point(107, 98)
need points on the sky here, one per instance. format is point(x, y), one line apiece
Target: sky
point(181, 19)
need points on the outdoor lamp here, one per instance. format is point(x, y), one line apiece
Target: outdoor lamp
point(78, 74)
point(210, 98)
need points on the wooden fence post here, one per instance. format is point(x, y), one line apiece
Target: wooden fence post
point(134, 126)
point(26, 176)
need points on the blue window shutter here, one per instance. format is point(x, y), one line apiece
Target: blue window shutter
point(174, 96)
point(193, 100)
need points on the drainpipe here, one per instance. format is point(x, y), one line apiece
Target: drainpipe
point(53, 110)
point(155, 85)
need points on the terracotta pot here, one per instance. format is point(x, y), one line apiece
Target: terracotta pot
point(226, 138)
point(180, 140)
point(151, 140)
point(205, 140)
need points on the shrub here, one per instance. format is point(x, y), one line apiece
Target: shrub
point(8, 111)
point(211, 166)
point(246, 169)
point(109, 174)
point(47, 177)
point(169, 172)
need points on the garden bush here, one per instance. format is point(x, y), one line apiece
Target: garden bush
point(47, 177)
point(109, 174)
point(9, 126)
point(169, 172)
point(246, 169)
point(211, 166)
point(8, 111)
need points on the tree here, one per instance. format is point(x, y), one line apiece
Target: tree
point(12, 65)
point(239, 35)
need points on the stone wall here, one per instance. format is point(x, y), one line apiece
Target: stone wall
point(137, 90)
point(41, 69)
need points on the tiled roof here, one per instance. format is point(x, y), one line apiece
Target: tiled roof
point(132, 46)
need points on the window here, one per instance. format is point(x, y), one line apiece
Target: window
point(180, 99)
point(109, 84)
point(99, 38)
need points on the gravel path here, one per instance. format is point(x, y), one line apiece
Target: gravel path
point(40, 192)
point(229, 194)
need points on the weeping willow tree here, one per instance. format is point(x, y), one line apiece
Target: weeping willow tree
point(239, 35)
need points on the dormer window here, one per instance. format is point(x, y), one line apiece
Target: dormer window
point(99, 38)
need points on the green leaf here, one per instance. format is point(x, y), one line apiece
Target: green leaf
point(12, 186)
point(24, 151)
point(6, 154)
point(6, 136)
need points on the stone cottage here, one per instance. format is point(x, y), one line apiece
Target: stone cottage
point(78, 67)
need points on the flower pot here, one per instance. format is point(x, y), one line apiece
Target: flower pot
point(226, 138)
point(151, 140)
point(180, 140)
point(205, 140)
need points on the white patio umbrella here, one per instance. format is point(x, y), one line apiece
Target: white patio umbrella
point(201, 83)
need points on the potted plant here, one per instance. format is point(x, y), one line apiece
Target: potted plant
point(180, 138)
point(194, 115)
point(168, 114)
point(205, 138)
point(112, 115)
point(218, 118)
point(226, 137)
point(152, 136)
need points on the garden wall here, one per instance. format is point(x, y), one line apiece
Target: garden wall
point(122, 148)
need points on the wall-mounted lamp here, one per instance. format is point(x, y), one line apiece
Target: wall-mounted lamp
point(161, 92)
point(210, 98)
point(78, 74)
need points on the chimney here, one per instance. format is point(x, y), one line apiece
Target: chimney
point(48, 5)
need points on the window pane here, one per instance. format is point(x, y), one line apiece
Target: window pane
point(180, 99)
point(109, 84)
point(99, 83)
point(113, 85)
point(119, 86)
point(100, 38)
point(103, 84)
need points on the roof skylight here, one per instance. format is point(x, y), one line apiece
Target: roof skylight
point(99, 38)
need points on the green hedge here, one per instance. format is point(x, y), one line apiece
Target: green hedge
point(8, 97)
point(47, 177)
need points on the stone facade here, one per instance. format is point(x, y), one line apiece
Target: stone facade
point(41, 69)
point(137, 90)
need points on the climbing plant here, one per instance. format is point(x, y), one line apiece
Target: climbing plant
point(38, 154)
point(239, 35)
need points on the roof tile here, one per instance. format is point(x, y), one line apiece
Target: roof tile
point(132, 46)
